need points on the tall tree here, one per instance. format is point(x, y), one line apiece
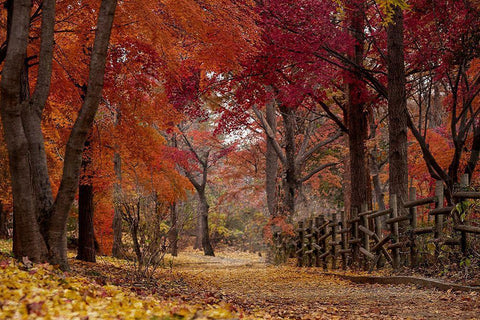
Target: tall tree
point(40, 230)
point(356, 110)
point(397, 109)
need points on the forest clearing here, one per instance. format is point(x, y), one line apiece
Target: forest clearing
point(232, 285)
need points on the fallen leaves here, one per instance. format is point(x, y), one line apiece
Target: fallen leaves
point(229, 286)
point(43, 291)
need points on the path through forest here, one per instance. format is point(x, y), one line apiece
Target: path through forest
point(299, 293)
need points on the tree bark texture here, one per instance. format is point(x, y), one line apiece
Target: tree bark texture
point(198, 236)
point(28, 240)
point(117, 248)
point(271, 159)
point(203, 212)
point(290, 179)
point(356, 116)
point(397, 111)
point(86, 234)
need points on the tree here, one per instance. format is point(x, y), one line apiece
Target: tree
point(448, 59)
point(203, 151)
point(397, 110)
point(300, 155)
point(32, 196)
point(357, 110)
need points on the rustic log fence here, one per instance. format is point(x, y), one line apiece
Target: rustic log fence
point(371, 238)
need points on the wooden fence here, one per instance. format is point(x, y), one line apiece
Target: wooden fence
point(372, 237)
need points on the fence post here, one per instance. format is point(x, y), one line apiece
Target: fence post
point(324, 241)
point(301, 233)
point(379, 232)
point(365, 237)
point(438, 229)
point(464, 183)
point(344, 238)
point(334, 240)
point(316, 235)
point(413, 226)
point(309, 236)
point(394, 231)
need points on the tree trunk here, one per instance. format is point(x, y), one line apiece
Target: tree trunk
point(28, 240)
point(56, 236)
point(290, 179)
point(117, 249)
point(397, 112)
point(173, 232)
point(86, 234)
point(203, 212)
point(198, 236)
point(136, 244)
point(271, 159)
point(21, 123)
point(356, 117)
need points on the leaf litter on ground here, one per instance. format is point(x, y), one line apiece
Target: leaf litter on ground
point(230, 286)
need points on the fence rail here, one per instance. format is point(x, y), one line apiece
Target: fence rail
point(371, 237)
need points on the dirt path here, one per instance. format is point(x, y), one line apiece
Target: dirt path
point(288, 292)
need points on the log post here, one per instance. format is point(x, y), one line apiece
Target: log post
point(379, 232)
point(334, 240)
point(301, 234)
point(365, 237)
point(309, 248)
point(413, 226)
point(344, 237)
point(324, 242)
point(438, 229)
point(316, 236)
point(439, 204)
point(394, 231)
point(464, 183)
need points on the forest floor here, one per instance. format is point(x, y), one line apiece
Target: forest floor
point(229, 286)
point(308, 293)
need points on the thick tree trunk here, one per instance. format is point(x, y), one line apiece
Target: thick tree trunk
point(203, 212)
point(21, 124)
point(397, 111)
point(86, 234)
point(290, 181)
point(173, 232)
point(117, 249)
point(271, 159)
point(28, 240)
point(198, 237)
point(356, 116)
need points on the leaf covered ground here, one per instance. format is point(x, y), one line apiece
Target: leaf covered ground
point(231, 285)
